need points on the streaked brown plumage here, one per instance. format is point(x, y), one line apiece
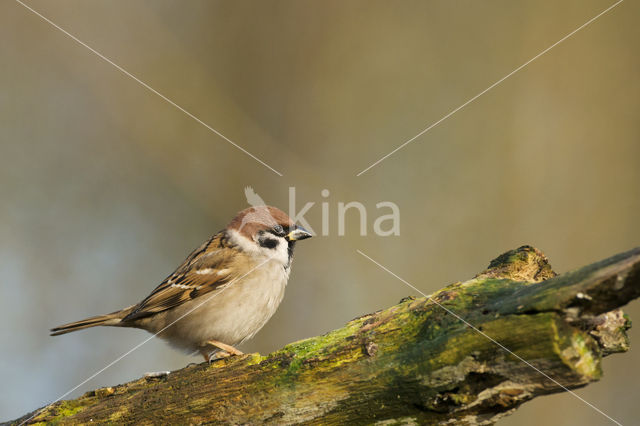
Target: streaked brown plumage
point(225, 290)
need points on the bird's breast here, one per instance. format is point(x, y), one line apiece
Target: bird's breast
point(232, 314)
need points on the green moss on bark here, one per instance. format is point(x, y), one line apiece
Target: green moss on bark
point(413, 361)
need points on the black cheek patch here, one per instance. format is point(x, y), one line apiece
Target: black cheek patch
point(269, 243)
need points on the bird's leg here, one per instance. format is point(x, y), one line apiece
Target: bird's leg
point(230, 350)
point(207, 354)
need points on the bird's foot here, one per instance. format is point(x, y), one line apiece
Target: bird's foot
point(230, 350)
point(222, 350)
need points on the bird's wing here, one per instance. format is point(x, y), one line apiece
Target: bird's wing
point(207, 269)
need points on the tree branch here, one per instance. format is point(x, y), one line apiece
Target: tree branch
point(412, 362)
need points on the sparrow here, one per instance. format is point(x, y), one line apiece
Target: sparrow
point(223, 293)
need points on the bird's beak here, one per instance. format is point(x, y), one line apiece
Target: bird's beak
point(298, 233)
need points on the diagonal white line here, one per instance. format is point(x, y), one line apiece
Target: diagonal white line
point(490, 87)
point(146, 86)
point(489, 337)
point(144, 341)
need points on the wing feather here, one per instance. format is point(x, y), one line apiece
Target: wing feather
point(206, 269)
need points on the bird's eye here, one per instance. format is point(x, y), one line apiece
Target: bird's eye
point(278, 229)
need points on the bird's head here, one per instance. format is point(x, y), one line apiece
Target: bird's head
point(269, 228)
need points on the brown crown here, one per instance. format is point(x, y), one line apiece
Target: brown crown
point(254, 219)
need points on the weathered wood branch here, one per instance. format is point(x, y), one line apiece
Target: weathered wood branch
point(412, 362)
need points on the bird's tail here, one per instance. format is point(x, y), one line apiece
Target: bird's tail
point(112, 319)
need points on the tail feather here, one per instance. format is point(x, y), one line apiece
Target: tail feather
point(112, 319)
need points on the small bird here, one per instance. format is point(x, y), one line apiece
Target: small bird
point(223, 293)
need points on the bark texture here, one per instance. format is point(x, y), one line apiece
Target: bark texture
point(413, 363)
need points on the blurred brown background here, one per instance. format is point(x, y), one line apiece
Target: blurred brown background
point(105, 187)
